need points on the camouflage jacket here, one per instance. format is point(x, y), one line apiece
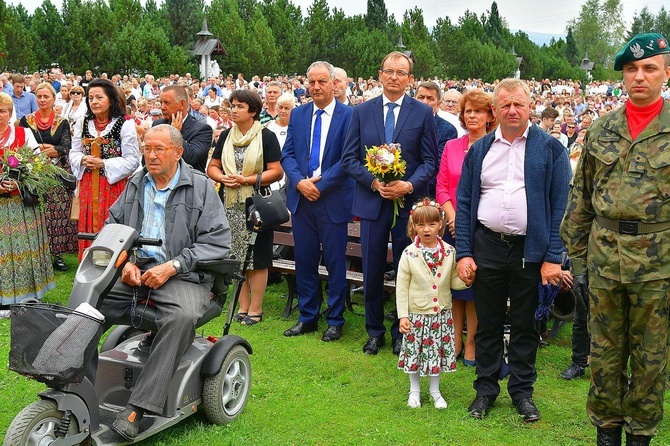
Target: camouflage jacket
point(622, 180)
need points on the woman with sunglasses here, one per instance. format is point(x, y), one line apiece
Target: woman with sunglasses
point(77, 107)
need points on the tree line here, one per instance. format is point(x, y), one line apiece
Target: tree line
point(274, 36)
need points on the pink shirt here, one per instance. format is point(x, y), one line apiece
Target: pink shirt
point(451, 165)
point(502, 202)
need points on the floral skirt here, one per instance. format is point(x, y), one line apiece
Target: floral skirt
point(262, 253)
point(428, 349)
point(62, 231)
point(25, 260)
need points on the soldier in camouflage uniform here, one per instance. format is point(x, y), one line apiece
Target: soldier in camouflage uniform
point(617, 231)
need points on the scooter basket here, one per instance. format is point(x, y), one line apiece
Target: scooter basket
point(52, 344)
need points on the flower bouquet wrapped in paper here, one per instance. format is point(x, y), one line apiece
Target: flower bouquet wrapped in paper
point(34, 173)
point(386, 164)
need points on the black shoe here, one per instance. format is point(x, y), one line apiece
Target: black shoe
point(637, 440)
point(572, 372)
point(610, 436)
point(397, 346)
point(332, 333)
point(301, 328)
point(127, 423)
point(480, 407)
point(373, 345)
point(59, 264)
point(527, 408)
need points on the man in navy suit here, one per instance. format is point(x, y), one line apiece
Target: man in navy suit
point(197, 135)
point(412, 125)
point(319, 195)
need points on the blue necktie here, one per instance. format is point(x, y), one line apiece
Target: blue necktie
point(316, 143)
point(389, 125)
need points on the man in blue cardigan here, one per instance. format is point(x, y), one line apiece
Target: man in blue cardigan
point(511, 199)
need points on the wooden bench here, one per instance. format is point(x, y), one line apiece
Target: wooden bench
point(353, 252)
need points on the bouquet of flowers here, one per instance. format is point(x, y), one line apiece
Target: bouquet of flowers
point(386, 164)
point(34, 173)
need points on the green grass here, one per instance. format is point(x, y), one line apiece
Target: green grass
point(307, 392)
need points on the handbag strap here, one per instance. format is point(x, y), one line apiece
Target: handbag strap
point(257, 186)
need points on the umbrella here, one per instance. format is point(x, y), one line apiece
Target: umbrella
point(545, 297)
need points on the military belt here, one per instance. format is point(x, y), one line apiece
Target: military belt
point(631, 227)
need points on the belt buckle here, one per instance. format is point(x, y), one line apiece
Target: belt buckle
point(628, 227)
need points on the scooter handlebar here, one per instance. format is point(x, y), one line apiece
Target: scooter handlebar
point(139, 241)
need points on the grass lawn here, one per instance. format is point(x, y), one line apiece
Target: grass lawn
point(307, 392)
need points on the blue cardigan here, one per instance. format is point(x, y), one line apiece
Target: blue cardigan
point(547, 176)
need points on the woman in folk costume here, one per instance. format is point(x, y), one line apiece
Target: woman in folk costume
point(105, 152)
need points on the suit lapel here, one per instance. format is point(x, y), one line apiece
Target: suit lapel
point(378, 118)
point(309, 112)
point(405, 111)
point(334, 123)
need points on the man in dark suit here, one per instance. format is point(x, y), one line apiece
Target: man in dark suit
point(319, 195)
point(429, 93)
point(197, 135)
point(413, 127)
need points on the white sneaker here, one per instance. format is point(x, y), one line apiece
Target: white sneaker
point(440, 403)
point(414, 400)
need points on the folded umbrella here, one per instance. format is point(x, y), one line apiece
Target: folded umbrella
point(545, 297)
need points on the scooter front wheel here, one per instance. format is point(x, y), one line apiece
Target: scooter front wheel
point(225, 394)
point(39, 424)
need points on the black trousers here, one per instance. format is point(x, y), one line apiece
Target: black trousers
point(501, 273)
point(581, 341)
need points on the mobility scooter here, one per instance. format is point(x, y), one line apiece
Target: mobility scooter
point(214, 373)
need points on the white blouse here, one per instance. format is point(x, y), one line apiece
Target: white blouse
point(117, 168)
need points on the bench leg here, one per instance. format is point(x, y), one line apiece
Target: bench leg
point(292, 294)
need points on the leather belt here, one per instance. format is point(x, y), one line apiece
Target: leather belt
point(509, 238)
point(631, 227)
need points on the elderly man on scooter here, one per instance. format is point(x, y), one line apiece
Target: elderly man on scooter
point(169, 200)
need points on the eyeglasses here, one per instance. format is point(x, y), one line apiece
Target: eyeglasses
point(571, 126)
point(449, 102)
point(158, 150)
point(76, 93)
point(398, 73)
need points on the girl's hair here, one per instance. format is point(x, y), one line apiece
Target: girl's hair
point(425, 211)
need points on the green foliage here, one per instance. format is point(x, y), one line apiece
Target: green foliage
point(377, 15)
point(599, 30)
point(274, 37)
point(571, 52)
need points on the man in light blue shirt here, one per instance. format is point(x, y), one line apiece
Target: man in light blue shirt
point(24, 102)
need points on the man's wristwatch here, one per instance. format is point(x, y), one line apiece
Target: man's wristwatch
point(177, 265)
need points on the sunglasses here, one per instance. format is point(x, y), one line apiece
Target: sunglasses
point(77, 93)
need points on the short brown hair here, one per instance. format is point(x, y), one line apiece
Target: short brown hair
point(398, 55)
point(251, 98)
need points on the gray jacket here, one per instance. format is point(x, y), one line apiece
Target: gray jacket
point(196, 225)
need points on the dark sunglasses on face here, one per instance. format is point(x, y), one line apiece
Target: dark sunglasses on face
point(75, 93)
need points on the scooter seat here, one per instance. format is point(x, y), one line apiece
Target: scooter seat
point(224, 271)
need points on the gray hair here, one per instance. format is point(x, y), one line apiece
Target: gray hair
point(321, 63)
point(175, 135)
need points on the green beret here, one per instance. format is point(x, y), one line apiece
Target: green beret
point(640, 47)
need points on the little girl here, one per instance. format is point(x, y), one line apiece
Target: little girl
point(426, 274)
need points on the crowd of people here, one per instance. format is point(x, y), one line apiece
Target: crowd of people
point(480, 207)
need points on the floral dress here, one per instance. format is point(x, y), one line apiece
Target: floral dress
point(428, 348)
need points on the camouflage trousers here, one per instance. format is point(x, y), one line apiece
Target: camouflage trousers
point(629, 338)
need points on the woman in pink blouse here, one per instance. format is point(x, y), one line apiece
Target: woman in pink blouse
point(477, 118)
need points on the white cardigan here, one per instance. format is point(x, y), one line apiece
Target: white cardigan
point(417, 290)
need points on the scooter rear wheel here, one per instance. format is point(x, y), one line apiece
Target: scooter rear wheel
point(225, 394)
point(37, 425)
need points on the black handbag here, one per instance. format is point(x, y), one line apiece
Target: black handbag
point(267, 206)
